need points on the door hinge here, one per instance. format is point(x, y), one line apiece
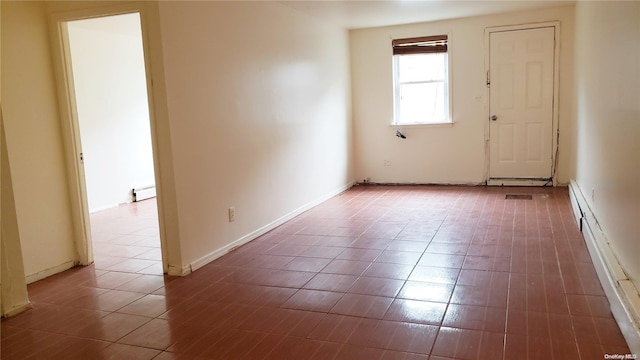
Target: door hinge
point(488, 80)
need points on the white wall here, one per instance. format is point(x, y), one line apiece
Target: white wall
point(607, 69)
point(442, 154)
point(33, 140)
point(13, 288)
point(258, 100)
point(113, 112)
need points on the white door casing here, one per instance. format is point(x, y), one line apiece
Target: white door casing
point(521, 68)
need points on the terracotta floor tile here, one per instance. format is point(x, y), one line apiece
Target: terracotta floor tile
point(294, 348)
point(396, 336)
point(369, 333)
point(484, 278)
point(331, 282)
point(111, 327)
point(589, 305)
point(405, 245)
point(120, 351)
point(302, 239)
point(418, 290)
point(564, 350)
point(447, 248)
point(609, 332)
point(73, 348)
point(475, 318)
point(359, 353)
point(414, 311)
point(376, 286)
point(561, 328)
point(327, 350)
point(399, 257)
point(308, 264)
point(313, 300)
point(26, 343)
point(346, 267)
point(192, 339)
point(282, 278)
point(286, 249)
point(267, 320)
point(111, 280)
point(468, 344)
point(327, 252)
point(335, 328)
point(534, 347)
point(378, 272)
point(265, 346)
point(299, 323)
point(389, 271)
point(359, 254)
point(155, 334)
point(149, 306)
point(143, 284)
point(442, 260)
point(115, 299)
point(362, 305)
point(234, 344)
point(373, 242)
point(480, 296)
point(434, 274)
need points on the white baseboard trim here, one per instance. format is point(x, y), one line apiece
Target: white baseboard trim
point(50, 271)
point(620, 291)
point(197, 264)
point(518, 182)
point(17, 309)
point(366, 182)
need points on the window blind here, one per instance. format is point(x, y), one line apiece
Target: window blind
point(420, 45)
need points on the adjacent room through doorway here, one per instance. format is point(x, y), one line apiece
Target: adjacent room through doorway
point(109, 80)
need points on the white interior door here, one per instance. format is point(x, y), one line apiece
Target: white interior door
point(521, 68)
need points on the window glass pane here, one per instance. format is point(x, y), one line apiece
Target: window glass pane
point(422, 103)
point(421, 67)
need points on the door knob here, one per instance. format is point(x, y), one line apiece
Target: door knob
point(494, 117)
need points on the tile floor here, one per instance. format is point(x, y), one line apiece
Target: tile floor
point(405, 272)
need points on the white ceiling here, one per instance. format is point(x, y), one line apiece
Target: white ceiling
point(353, 14)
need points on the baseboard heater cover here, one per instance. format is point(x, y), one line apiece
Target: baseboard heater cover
point(143, 193)
point(623, 296)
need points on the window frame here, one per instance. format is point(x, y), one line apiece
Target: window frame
point(448, 109)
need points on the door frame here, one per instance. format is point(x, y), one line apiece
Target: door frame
point(71, 130)
point(555, 134)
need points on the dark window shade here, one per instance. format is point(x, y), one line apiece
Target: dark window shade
point(420, 45)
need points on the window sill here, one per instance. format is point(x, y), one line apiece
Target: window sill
point(417, 125)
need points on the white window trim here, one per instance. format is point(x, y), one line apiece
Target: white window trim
point(448, 89)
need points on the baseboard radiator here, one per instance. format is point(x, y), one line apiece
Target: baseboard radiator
point(623, 297)
point(143, 193)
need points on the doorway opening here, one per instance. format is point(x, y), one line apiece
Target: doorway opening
point(107, 70)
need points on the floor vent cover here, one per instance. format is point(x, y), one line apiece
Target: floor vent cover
point(518, 197)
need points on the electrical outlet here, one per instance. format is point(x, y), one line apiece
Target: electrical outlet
point(232, 214)
point(386, 162)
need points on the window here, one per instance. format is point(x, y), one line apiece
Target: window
point(421, 80)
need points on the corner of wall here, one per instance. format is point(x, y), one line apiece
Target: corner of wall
point(13, 288)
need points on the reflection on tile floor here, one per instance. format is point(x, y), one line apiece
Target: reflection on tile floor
point(405, 272)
